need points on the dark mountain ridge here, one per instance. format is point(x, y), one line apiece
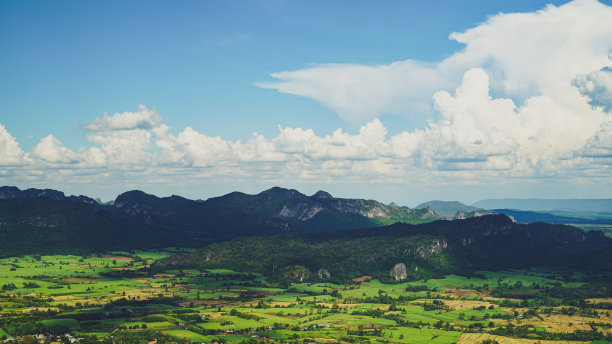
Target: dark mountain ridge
point(12, 192)
point(144, 220)
point(490, 242)
point(280, 230)
point(45, 226)
point(272, 211)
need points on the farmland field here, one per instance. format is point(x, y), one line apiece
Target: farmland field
point(118, 297)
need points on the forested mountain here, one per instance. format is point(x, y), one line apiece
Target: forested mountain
point(282, 231)
point(403, 251)
point(47, 221)
point(12, 192)
point(44, 225)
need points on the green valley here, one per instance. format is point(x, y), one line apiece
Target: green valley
point(283, 267)
point(118, 298)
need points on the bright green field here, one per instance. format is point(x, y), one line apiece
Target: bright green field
point(99, 295)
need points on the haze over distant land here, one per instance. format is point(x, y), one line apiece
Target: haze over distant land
point(450, 209)
point(403, 102)
point(582, 205)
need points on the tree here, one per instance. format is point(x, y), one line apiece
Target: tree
point(9, 286)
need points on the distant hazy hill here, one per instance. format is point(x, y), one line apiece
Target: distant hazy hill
point(524, 216)
point(46, 220)
point(453, 209)
point(534, 204)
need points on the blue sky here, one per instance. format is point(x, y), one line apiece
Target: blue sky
point(213, 67)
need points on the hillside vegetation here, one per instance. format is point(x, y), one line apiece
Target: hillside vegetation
point(422, 251)
point(47, 221)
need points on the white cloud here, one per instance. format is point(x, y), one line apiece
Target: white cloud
point(597, 86)
point(477, 130)
point(141, 119)
point(599, 147)
point(477, 137)
point(359, 93)
point(549, 117)
point(337, 146)
point(526, 54)
point(125, 147)
point(10, 152)
point(51, 150)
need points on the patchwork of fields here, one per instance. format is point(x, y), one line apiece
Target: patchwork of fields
point(117, 297)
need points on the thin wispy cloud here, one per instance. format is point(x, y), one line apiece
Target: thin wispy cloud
point(524, 54)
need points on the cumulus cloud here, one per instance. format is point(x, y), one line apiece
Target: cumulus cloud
point(192, 148)
point(526, 54)
point(477, 137)
point(529, 96)
point(125, 139)
point(126, 147)
point(141, 119)
point(337, 146)
point(10, 152)
point(599, 147)
point(51, 150)
point(597, 86)
point(496, 134)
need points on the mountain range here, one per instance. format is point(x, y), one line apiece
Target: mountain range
point(37, 220)
point(291, 236)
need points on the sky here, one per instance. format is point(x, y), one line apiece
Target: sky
point(399, 101)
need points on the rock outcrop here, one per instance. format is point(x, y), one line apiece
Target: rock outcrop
point(399, 272)
point(323, 273)
point(295, 273)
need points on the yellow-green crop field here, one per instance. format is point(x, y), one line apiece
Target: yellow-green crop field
point(118, 297)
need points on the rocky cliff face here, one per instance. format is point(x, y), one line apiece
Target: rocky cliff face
point(323, 274)
point(460, 215)
point(309, 207)
point(399, 272)
point(302, 211)
point(426, 251)
point(295, 273)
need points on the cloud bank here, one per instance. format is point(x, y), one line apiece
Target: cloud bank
point(525, 54)
point(530, 96)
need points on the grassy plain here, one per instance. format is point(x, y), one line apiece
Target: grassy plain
point(97, 297)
